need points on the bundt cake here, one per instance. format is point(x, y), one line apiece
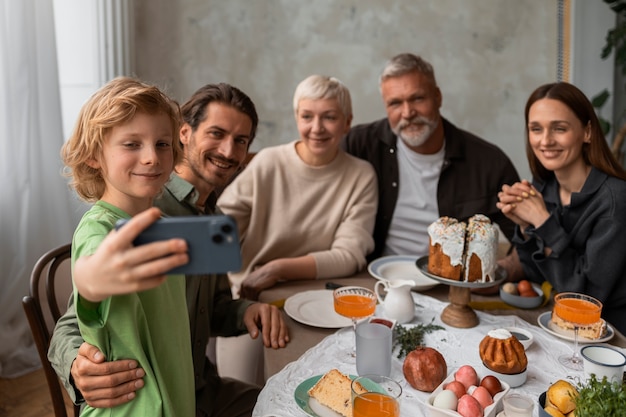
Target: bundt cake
point(501, 352)
point(463, 252)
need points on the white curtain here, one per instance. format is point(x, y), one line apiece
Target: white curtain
point(36, 208)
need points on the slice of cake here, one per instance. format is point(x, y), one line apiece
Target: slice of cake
point(333, 391)
point(590, 331)
point(481, 249)
point(447, 242)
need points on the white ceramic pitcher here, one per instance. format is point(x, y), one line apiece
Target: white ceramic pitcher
point(398, 303)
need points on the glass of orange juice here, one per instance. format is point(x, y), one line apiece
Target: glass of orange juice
point(579, 310)
point(355, 303)
point(375, 396)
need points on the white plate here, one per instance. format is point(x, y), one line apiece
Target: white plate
point(400, 267)
point(312, 407)
point(546, 324)
point(315, 308)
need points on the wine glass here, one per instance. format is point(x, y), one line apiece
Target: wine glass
point(380, 398)
point(578, 310)
point(354, 303)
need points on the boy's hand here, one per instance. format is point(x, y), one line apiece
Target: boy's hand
point(118, 267)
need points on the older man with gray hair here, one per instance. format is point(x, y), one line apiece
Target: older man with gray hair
point(435, 169)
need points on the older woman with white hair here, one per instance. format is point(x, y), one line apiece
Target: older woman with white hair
point(305, 209)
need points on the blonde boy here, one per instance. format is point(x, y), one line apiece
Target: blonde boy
point(120, 155)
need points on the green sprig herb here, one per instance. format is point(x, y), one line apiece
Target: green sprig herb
point(600, 398)
point(410, 338)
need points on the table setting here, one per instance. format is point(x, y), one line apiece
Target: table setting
point(448, 357)
point(286, 392)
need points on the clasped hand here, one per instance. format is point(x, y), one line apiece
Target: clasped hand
point(523, 204)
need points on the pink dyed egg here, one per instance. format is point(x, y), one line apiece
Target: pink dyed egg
point(483, 396)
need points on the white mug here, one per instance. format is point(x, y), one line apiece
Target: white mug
point(373, 349)
point(603, 361)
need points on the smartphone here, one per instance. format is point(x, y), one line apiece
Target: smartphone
point(213, 241)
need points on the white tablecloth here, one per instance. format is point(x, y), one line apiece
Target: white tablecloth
point(458, 346)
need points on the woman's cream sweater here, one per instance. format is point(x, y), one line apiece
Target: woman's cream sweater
point(285, 208)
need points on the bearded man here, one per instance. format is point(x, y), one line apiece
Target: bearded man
point(436, 169)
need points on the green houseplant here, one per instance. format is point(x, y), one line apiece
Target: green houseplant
point(615, 42)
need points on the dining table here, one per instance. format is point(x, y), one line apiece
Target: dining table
point(313, 350)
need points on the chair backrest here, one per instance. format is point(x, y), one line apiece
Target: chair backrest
point(50, 276)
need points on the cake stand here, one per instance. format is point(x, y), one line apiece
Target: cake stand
point(458, 313)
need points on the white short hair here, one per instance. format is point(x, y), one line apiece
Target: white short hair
point(316, 87)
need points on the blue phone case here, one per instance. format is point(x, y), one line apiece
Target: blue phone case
point(213, 242)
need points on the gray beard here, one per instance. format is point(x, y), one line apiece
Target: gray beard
point(419, 138)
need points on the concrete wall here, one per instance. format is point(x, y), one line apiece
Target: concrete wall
point(488, 54)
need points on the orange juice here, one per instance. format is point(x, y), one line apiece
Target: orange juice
point(577, 311)
point(355, 306)
point(373, 404)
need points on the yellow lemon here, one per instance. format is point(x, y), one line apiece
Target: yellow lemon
point(561, 395)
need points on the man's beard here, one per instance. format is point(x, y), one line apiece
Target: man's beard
point(417, 138)
point(197, 165)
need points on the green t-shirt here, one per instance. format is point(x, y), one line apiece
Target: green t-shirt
point(151, 327)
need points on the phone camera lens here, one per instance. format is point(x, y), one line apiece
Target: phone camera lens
point(218, 238)
point(227, 228)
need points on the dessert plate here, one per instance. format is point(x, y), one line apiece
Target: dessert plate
point(315, 308)
point(546, 324)
point(315, 409)
point(422, 265)
point(395, 267)
point(307, 404)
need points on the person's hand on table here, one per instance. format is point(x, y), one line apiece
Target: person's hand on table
point(261, 278)
point(105, 384)
point(266, 276)
point(269, 321)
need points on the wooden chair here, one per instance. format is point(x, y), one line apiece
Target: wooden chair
point(43, 313)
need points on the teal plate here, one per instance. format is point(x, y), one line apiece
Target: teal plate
point(301, 394)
